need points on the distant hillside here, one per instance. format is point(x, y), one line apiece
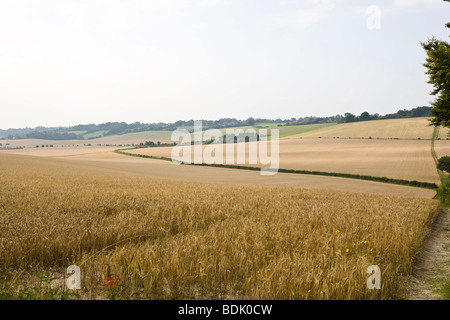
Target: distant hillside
point(94, 131)
point(406, 128)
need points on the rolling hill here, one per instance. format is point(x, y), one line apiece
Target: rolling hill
point(408, 128)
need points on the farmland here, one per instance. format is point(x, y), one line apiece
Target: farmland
point(391, 148)
point(103, 157)
point(222, 157)
point(167, 231)
point(411, 129)
point(227, 241)
point(442, 148)
point(409, 160)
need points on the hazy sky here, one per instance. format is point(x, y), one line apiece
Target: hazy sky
point(67, 62)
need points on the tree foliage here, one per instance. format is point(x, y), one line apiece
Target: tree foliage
point(444, 164)
point(438, 69)
point(365, 116)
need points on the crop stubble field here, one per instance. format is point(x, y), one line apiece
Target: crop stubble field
point(394, 149)
point(409, 128)
point(400, 159)
point(168, 239)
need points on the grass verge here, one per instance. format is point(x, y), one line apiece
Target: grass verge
point(443, 191)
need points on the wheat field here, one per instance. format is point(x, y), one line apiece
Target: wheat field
point(169, 239)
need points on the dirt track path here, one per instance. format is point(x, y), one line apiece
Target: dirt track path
point(432, 269)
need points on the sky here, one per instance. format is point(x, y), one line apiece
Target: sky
point(69, 62)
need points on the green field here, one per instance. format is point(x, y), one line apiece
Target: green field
point(268, 124)
point(95, 134)
point(77, 131)
point(284, 131)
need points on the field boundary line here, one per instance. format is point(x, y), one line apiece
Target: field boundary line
point(411, 183)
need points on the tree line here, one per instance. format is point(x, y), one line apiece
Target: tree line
point(365, 116)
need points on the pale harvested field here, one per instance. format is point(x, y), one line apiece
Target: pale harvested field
point(99, 158)
point(409, 160)
point(167, 239)
point(442, 148)
point(444, 133)
point(31, 143)
point(112, 140)
point(57, 152)
point(411, 128)
point(399, 159)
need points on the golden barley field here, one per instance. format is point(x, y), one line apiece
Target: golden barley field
point(171, 239)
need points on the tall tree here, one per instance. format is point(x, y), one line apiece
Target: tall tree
point(348, 117)
point(365, 116)
point(438, 65)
